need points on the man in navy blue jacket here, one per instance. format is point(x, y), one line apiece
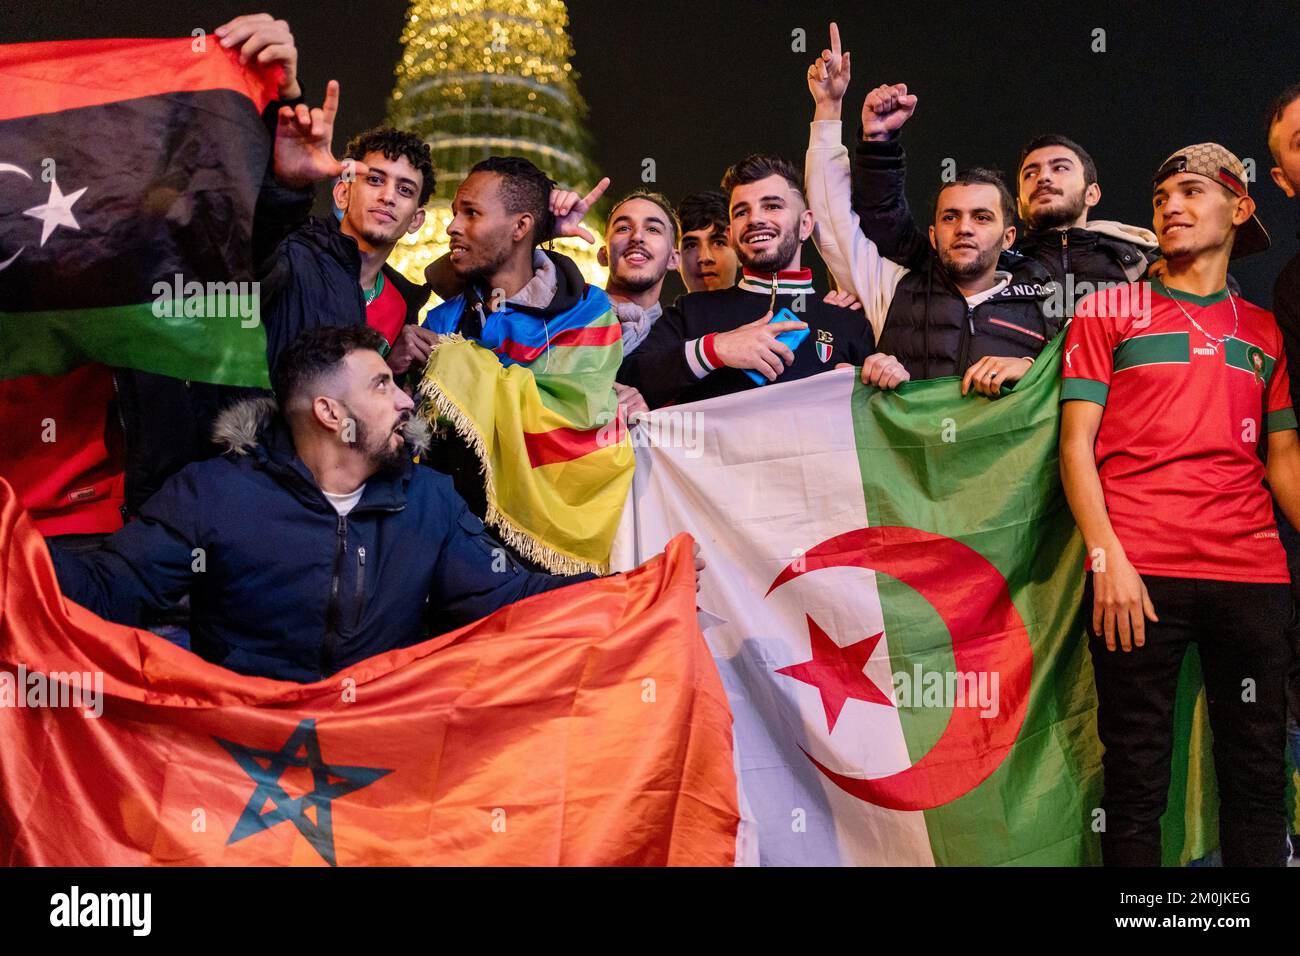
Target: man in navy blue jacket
point(313, 543)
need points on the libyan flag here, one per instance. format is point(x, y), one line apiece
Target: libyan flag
point(129, 170)
point(899, 581)
point(584, 726)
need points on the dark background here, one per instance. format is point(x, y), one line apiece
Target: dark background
point(696, 85)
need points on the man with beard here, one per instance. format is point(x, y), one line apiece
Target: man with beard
point(1164, 406)
point(969, 308)
point(1057, 188)
point(701, 346)
point(313, 543)
point(639, 251)
point(708, 262)
point(330, 272)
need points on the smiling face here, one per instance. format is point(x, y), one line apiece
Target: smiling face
point(769, 222)
point(1052, 193)
point(1194, 215)
point(483, 234)
point(384, 204)
point(708, 262)
point(638, 248)
point(968, 231)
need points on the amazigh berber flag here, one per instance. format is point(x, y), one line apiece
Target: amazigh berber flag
point(540, 414)
point(583, 726)
point(899, 580)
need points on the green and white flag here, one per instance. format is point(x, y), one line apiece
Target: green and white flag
point(899, 579)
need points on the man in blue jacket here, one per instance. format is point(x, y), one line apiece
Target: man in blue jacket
point(313, 543)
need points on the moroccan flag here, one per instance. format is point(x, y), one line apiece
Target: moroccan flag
point(583, 726)
point(899, 581)
point(129, 170)
point(541, 418)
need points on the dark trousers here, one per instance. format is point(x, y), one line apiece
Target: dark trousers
point(1240, 631)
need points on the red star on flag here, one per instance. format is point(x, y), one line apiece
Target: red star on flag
point(837, 672)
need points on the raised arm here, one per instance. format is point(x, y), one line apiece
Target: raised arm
point(854, 260)
point(880, 178)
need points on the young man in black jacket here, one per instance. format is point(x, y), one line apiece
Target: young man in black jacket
point(314, 543)
point(328, 273)
point(970, 308)
point(702, 345)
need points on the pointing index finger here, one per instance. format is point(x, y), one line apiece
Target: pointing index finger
point(835, 38)
point(331, 107)
point(597, 192)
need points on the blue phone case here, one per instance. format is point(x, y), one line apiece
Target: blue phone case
point(791, 340)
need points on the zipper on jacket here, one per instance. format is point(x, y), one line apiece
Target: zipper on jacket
point(361, 585)
point(328, 646)
point(967, 330)
point(1065, 254)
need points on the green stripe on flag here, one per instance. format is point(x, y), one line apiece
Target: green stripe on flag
point(201, 349)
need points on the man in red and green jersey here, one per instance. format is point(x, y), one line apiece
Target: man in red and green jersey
point(1169, 386)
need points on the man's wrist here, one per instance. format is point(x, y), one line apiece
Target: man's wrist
point(828, 110)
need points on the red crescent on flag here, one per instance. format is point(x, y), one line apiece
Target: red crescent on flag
point(987, 635)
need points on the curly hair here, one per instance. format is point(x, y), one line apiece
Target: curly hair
point(396, 144)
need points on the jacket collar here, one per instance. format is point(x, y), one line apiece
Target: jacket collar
point(785, 282)
point(254, 428)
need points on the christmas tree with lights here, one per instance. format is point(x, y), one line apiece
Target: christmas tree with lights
point(492, 77)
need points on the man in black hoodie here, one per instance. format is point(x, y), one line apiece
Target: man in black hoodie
point(328, 273)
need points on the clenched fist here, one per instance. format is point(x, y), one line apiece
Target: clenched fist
point(886, 110)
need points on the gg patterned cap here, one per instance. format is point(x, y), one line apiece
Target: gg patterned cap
point(1218, 163)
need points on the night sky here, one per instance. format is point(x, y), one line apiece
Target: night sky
point(695, 85)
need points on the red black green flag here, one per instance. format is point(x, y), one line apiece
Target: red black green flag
point(129, 171)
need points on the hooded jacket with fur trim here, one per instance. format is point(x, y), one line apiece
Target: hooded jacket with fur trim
point(280, 584)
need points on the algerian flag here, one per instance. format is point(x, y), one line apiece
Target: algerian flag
point(899, 578)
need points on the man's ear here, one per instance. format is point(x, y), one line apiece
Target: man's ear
point(1245, 209)
point(602, 256)
point(674, 260)
point(1091, 196)
point(1009, 237)
point(416, 222)
point(933, 244)
point(806, 222)
point(340, 193)
point(1279, 178)
point(327, 413)
point(524, 226)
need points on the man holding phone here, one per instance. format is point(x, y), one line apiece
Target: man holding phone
point(705, 343)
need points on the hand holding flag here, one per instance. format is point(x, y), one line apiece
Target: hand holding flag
point(269, 40)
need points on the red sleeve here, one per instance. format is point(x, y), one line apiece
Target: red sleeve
point(1280, 413)
point(1089, 356)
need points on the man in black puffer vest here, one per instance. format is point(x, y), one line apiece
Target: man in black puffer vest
point(973, 309)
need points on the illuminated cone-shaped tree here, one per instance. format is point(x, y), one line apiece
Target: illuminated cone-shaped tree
point(492, 77)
